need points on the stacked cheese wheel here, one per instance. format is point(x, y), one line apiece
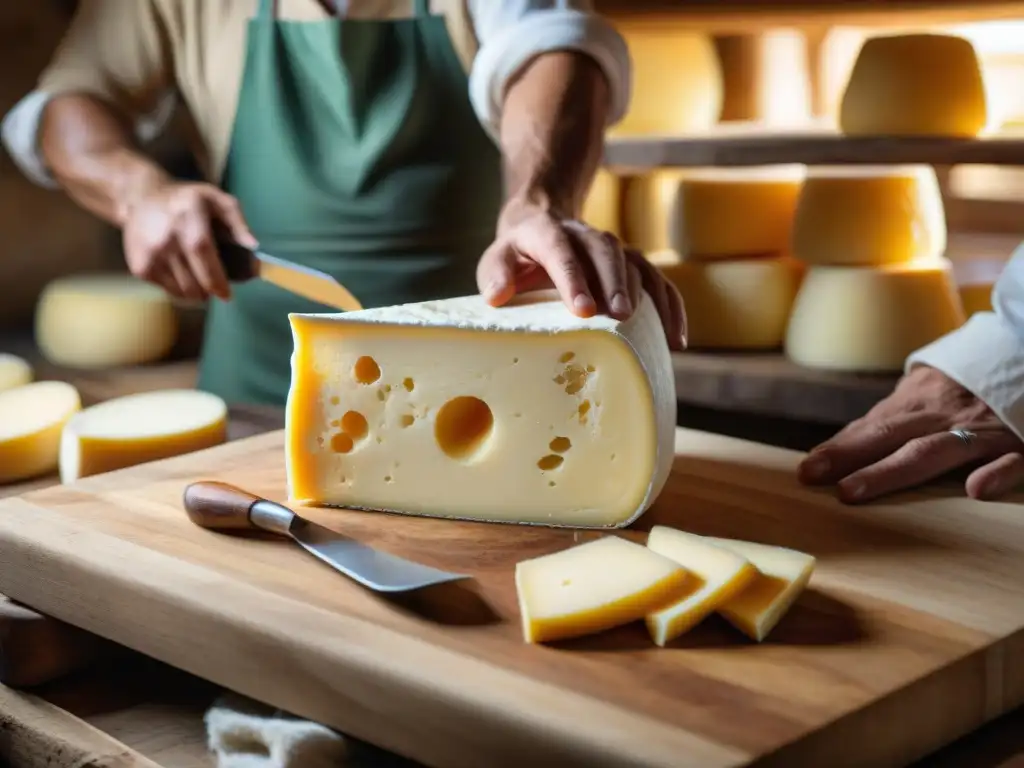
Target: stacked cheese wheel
point(877, 285)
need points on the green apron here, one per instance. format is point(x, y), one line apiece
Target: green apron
point(355, 150)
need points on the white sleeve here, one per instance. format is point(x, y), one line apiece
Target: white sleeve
point(986, 355)
point(512, 32)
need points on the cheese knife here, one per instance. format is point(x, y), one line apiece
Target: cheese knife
point(220, 506)
point(242, 264)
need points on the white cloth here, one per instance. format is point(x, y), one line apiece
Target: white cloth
point(510, 34)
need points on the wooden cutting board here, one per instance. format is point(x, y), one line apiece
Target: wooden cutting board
point(910, 635)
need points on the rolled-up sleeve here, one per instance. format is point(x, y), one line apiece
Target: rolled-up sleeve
point(986, 355)
point(512, 32)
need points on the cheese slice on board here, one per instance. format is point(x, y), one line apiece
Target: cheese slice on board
point(869, 216)
point(716, 576)
point(31, 419)
point(520, 414)
point(915, 85)
point(593, 587)
point(603, 205)
point(14, 372)
point(782, 575)
point(139, 428)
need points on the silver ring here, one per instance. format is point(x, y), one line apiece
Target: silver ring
point(965, 436)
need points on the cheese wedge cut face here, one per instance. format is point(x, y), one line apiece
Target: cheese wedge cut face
point(603, 205)
point(869, 319)
point(520, 414)
point(136, 429)
point(31, 420)
point(593, 587)
point(915, 85)
point(14, 372)
point(717, 575)
point(782, 574)
point(103, 321)
point(869, 216)
point(741, 304)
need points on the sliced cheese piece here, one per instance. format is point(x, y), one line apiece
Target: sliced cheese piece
point(103, 321)
point(14, 372)
point(593, 587)
point(741, 304)
point(453, 408)
point(31, 419)
point(727, 212)
point(139, 428)
point(915, 85)
point(782, 575)
point(869, 215)
point(648, 204)
point(677, 85)
point(602, 208)
point(868, 319)
point(716, 576)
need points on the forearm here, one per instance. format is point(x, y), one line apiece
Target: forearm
point(552, 132)
point(92, 153)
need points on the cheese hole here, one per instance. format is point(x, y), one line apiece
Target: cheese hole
point(566, 582)
point(366, 370)
point(560, 444)
point(342, 443)
point(583, 410)
point(575, 378)
point(335, 399)
point(567, 357)
point(462, 426)
point(381, 396)
point(353, 424)
point(409, 384)
point(407, 420)
point(549, 462)
point(387, 478)
point(515, 360)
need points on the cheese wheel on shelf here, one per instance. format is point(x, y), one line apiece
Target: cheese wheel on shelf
point(677, 85)
point(31, 420)
point(738, 304)
point(915, 85)
point(536, 416)
point(869, 215)
point(869, 319)
point(14, 372)
point(138, 428)
point(104, 321)
point(603, 205)
point(649, 200)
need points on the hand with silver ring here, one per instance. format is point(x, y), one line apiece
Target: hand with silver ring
point(928, 426)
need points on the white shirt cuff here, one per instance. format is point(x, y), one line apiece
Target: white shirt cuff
point(19, 132)
point(502, 56)
point(985, 357)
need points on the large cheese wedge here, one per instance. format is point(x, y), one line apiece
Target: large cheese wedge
point(31, 419)
point(603, 205)
point(139, 428)
point(716, 576)
point(727, 212)
point(648, 205)
point(14, 372)
point(868, 319)
point(869, 215)
point(782, 574)
point(915, 85)
point(593, 587)
point(677, 82)
point(741, 304)
point(103, 321)
point(524, 413)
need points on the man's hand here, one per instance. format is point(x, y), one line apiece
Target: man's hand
point(590, 269)
point(905, 441)
point(168, 238)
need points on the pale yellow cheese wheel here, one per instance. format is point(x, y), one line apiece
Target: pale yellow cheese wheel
point(31, 420)
point(14, 372)
point(104, 321)
point(869, 319)
point(915, 85)
point(648, 202)
point(869, 215)
point(677, 82)
point(603, 205)
point(735, 304)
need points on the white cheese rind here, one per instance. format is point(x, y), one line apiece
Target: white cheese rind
point(639, 341)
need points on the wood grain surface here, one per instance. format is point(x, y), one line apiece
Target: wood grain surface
point(913, 617)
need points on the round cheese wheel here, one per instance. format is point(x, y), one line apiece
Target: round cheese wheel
point(869, 319)
point(677, 82)
point(915, 85)
point(31, 420)
point(104, 321)
point(602, 208)
point(648, 201)
point(737, 304)
point(14, 372)
point(869, 215)
point(139, 428)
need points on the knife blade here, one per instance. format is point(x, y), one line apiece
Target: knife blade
point(242, 264)
point(220, 506)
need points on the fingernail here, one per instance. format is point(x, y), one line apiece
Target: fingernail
point(816, 467)
point(854, 490)
point(491, 289)
point(620, 304)
point(583, 303)
point(682, 339)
